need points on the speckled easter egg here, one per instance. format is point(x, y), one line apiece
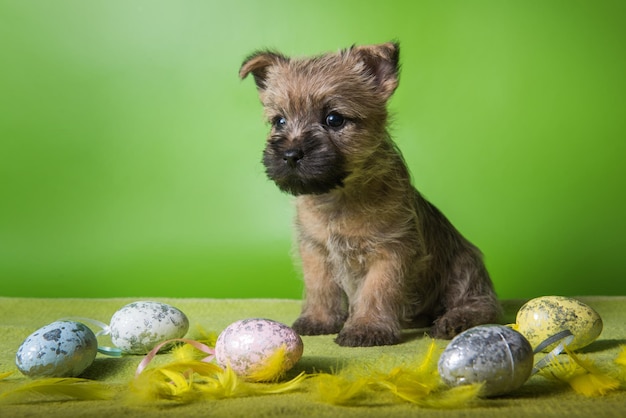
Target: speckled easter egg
point(60, 349)
point(495, 355)
point(139, 326)
point(249, 344)
point(545, 316)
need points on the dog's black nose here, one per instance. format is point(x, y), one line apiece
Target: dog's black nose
point(292, 156)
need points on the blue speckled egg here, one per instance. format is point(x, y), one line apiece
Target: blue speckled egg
point(140, 326)
point(495, 355)
point(60, 349)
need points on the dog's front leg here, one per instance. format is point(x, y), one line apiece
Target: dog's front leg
point(323, 311)
point(374, 308)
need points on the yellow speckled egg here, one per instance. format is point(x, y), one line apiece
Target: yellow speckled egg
point(545, 316)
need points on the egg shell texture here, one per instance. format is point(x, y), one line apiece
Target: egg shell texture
point(246, 345)
point(494, 354)
point(139, 326)
point(60, 349)
point(545, 316)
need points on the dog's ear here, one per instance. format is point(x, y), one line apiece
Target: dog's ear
point(382, 63)
point(258, 64)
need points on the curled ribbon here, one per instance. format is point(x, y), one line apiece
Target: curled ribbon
point(565, 338)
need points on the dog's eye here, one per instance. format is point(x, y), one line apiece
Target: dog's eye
point(334, 120)
point(279, 122)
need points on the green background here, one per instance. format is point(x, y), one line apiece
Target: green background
point(130, 151)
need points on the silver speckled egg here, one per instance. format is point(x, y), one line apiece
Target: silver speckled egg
point(60, 349)
point(140, 326)
point(494, 354)
point(246, 346)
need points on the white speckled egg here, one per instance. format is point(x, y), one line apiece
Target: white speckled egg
point(140, 326)
point(545, 316)
point(247, 345)
point(495, 355)
point(60, 349)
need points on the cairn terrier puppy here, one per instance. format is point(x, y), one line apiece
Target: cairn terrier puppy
point(376, 256)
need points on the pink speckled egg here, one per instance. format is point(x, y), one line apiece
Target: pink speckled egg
point(249, 344)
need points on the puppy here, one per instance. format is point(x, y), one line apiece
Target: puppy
point(376, 255)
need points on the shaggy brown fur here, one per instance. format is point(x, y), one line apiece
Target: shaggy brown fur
point(376, 255)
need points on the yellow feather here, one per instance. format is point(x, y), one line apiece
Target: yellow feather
point(186, 352)
point(289, 386)
point(148, 387)
point(414, 381)
point(189, 352)
point(200, 367)
point(57, 388)
point(590, 384)
point(206, 337)
point(230, 385)
point(594, 382)
point(5, 375)
point(172, 381)
point(272, 369)
point(178, 383)
point(339, 390)
point(581, 374)
point(407, 385)
point(418, 383)
point(189, 380)
point(621, 357)
point(227, 385)
point(456, 397)
point(185, 380)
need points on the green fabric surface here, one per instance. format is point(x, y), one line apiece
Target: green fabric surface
point(539, 397)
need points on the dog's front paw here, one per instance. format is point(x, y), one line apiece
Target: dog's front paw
point(308, 326)
point(451, 324)
point(447, 328)
point(457, 320)
point(367, 336)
